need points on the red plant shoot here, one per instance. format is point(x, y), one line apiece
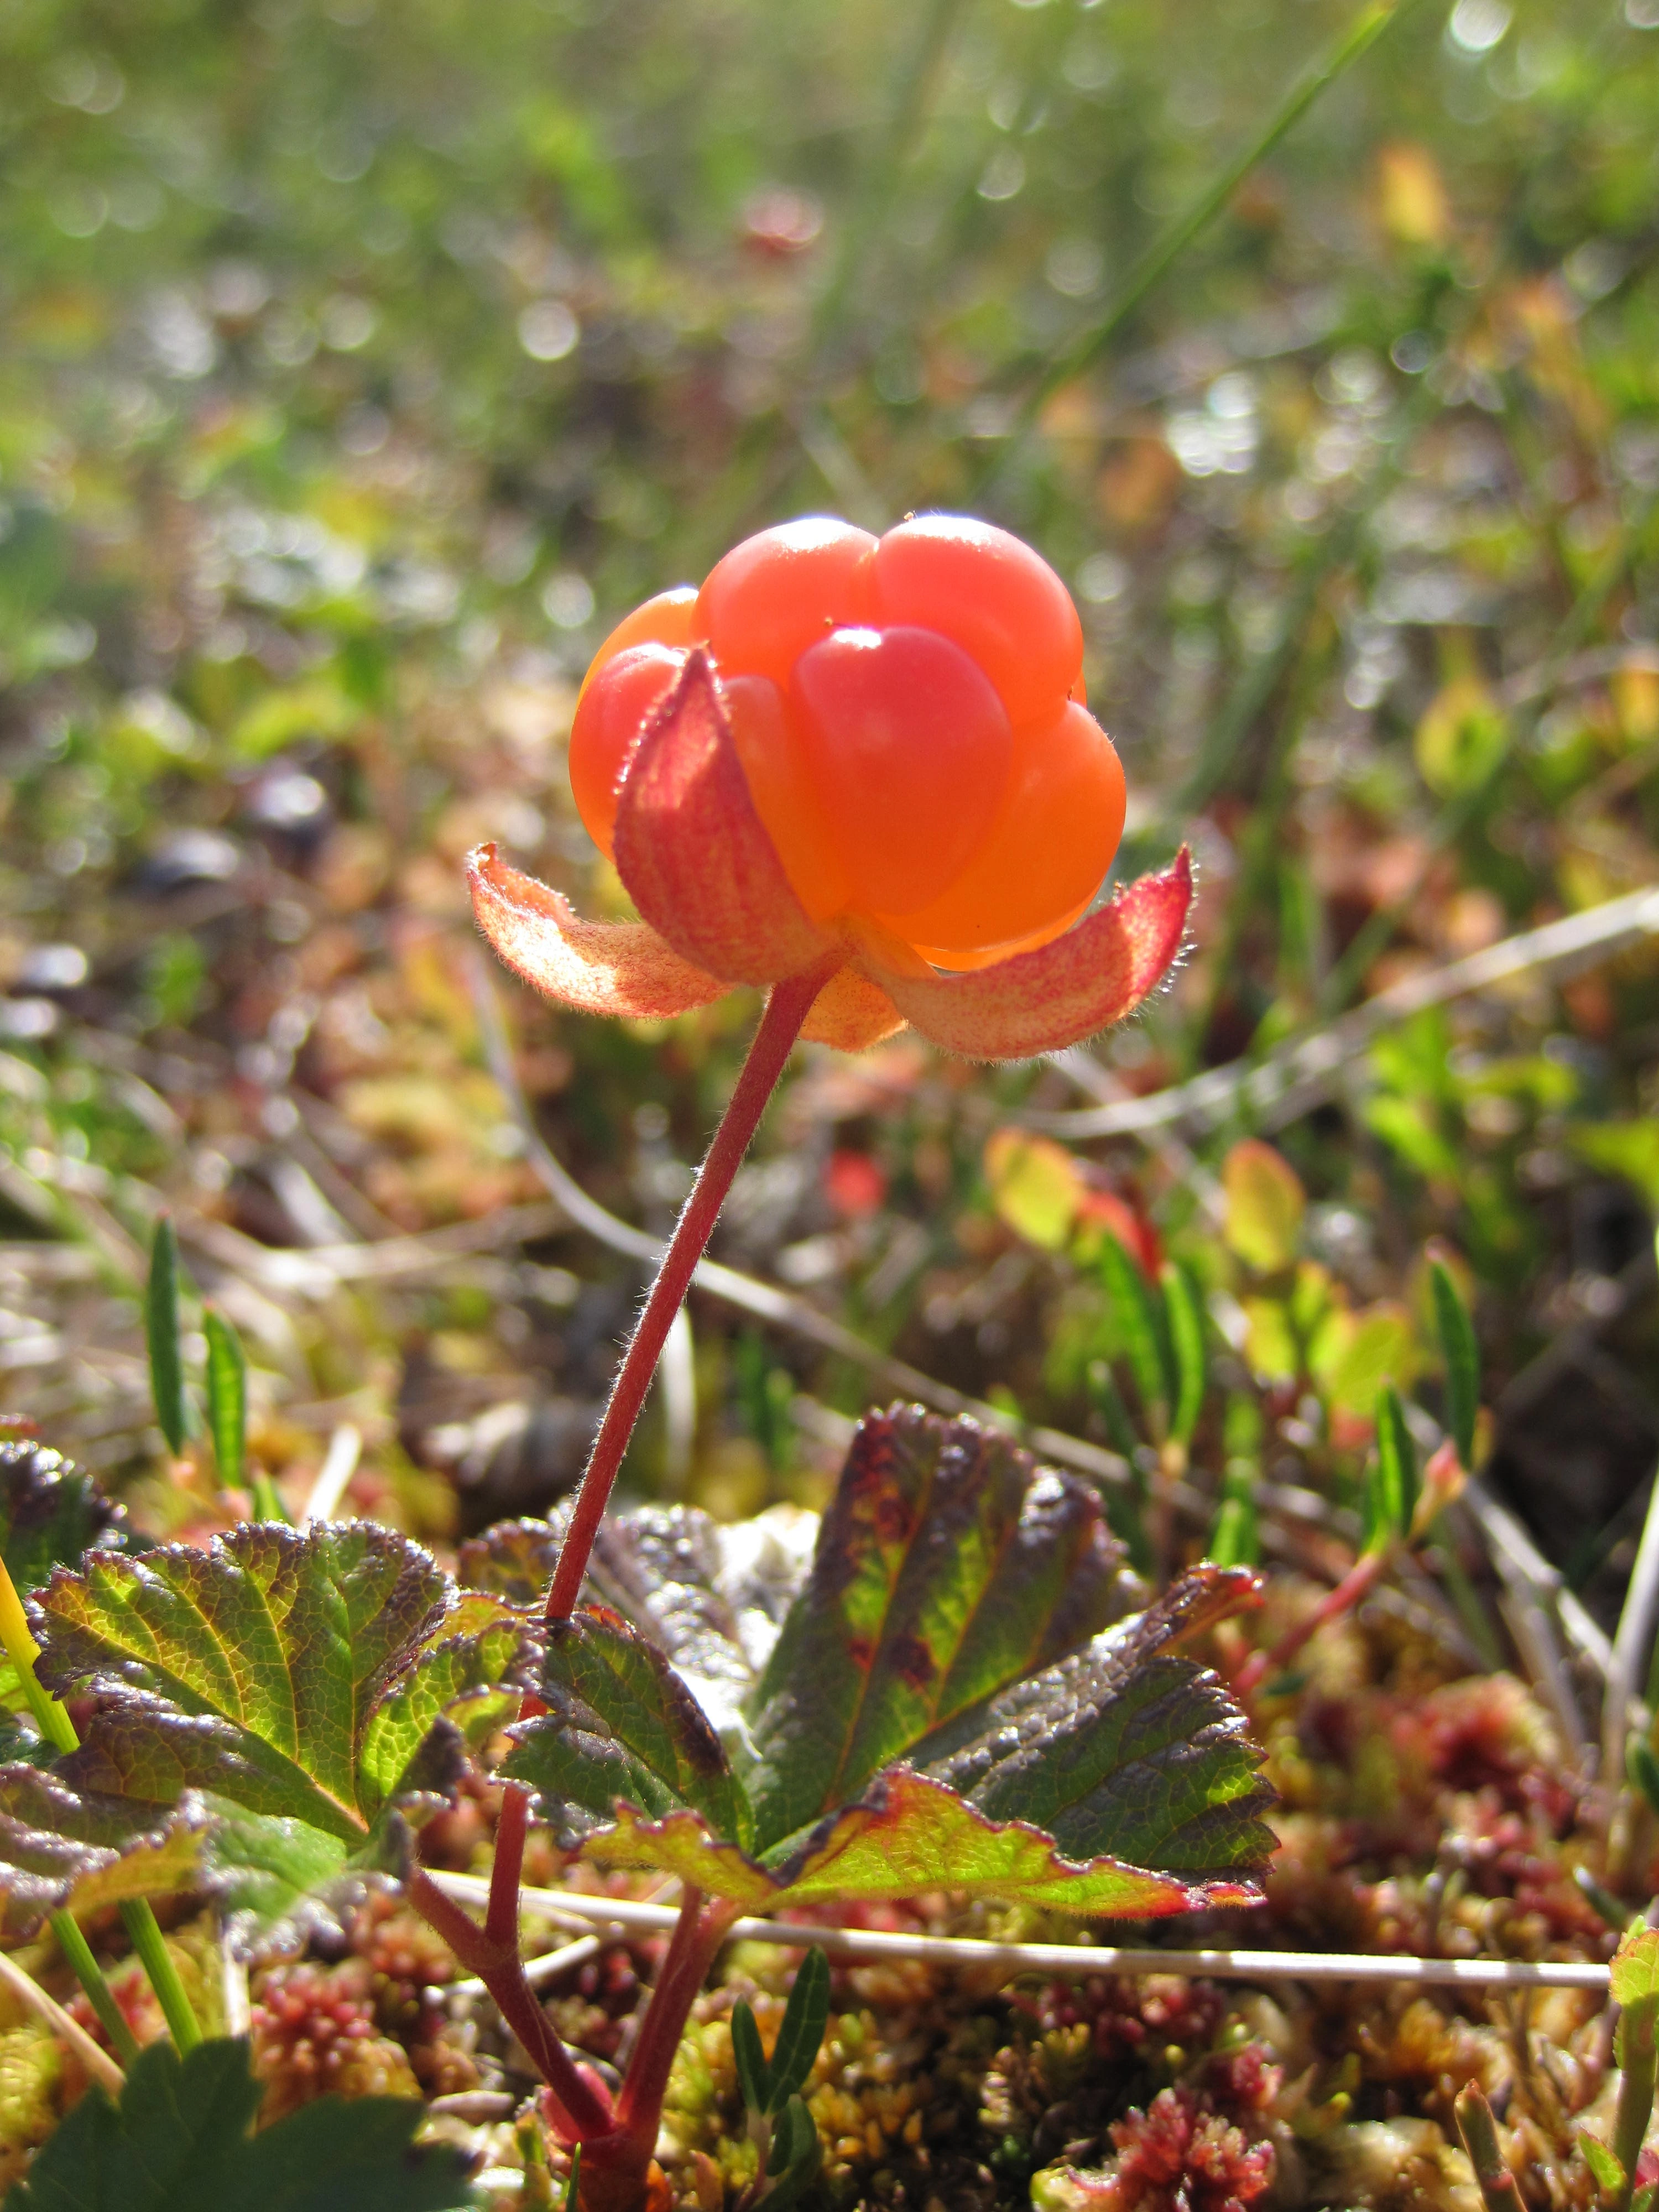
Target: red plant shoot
point(860, 774)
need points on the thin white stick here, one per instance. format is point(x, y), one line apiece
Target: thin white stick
point(97, 2061)
point(339, 1464)
point(1080, 1958)
point(238, 1998)
point(1630, 1643)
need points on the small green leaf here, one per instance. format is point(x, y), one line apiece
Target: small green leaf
point(227, 1397)
point(804, 2019)
point(1144, 1328)
point(1235, 1541)
point(1462, 1355)
point(1602, 2163)
point(1642, 1769)
point(1185, 1326)
point(948, 1565)
point(1036, 1187)
point(796, 2156)
point(51, 1515)
point(262, 1669)
point(1265, 1205)
point(1635, 1969)
point(754, 2075)
point(620, 1724)
point(166, 1366)
point(1392, 1485)
point(180, 2141)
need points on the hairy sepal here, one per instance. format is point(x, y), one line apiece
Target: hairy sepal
point(1042, 1002)
point(619, 968)
point(852, 1012)
point(692, 849)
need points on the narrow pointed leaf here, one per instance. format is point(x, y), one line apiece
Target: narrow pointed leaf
point(166, 1367)
point(797, 2156)
point(949, 1564)
point(692, 850)
point(1141, 1317)
point(1462, 1355)
point(620, 967)
point(1391, 1489)
point(1607, 2168)
point(1123, 1749)
point(1042, 1002)
point(754, 2075)
point(1184, 1328)
point(621, 1724)
point(51, 1515)
point(257, 1668)
point(801, 2030)
point(181, 2140)
point(227, 1397)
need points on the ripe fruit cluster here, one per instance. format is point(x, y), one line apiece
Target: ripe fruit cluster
point(909, 714)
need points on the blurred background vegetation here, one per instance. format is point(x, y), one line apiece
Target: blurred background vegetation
point(363, 363)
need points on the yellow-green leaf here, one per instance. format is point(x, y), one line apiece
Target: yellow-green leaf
point(1035, 1187)
point(1265, 1205)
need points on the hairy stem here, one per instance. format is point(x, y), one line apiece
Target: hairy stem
point(698, 1936)
point(779, 1026)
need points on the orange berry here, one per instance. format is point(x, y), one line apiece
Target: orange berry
point(782, 590)
point(773, 764)
point(669, 619)
point(993, 596)
point(1043, 857)
point(612, 710)
point(906, 749)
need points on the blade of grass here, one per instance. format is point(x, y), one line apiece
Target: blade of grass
point(90, 1975)
point(166, 1370)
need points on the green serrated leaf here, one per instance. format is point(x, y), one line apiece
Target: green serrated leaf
point(754, 2075)
point(1122, 1749)
point(166, 1366)
point(180, 2141)
point(51, 1515)
point(948, 1565)
point(1121, 1746)
point(1392, 1485)
point(61, 1847)
point(1462, 1355)
point(467, 1681)
point(1184, 1318)
point(804, 2019)
point(258, 1669)
point(1141, 1317)
point(1602, 2162)
point(226, 1398)
point(620, 1724)
point(274, 1880)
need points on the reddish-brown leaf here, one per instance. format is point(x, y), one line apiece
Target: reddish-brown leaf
point(597, 966)
point(692, 851)
point(1040, 1001)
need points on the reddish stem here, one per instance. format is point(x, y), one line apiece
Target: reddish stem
point(1354, 1586)
point(584, 2105)
point(780, 1025)
point(698, 1934)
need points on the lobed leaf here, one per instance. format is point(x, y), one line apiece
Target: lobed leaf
point(51, 1515)
point(63, 1847)
point(1122, 1750)
point(948, 1564)
point(620, 1724)
point(292, 1675)
point(181, 2140)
